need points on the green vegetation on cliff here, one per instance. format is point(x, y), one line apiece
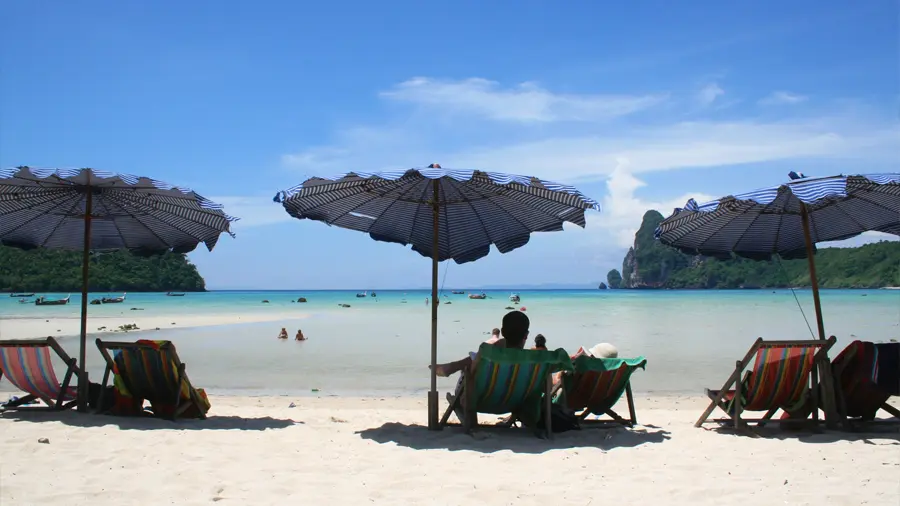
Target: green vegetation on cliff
point(48, 270)
point(614, 279)
point(650, 264)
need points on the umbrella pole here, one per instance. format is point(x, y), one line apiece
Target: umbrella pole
point(828, 393)
point(83, 389)
point(433, 422)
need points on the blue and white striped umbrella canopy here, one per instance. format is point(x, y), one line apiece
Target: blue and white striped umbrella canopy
point(46, 208)
point(476, 209)
point(767, 222)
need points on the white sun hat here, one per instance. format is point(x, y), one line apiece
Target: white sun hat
point(603, 350)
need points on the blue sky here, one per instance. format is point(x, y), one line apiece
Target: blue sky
point(640, 105)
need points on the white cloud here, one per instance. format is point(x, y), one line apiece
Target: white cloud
point(783, 98)
point(623, 210)
point(709, 93)
point(526, 102)
point(645, 149)
point(587, 149)
point(253, 211)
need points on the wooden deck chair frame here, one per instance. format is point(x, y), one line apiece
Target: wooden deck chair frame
point(72, 370)
point(181, 404)
point(466, 402)
point(838, 371)
point(735, 381)
point(631, 421)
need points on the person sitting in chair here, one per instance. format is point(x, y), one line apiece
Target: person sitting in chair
point(515, 334)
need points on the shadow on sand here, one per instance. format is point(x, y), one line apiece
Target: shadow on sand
point(883, 435)
point(488, 439)
point(75, 419)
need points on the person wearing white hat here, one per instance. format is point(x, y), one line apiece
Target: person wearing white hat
point(600, 350)
point(603, 350)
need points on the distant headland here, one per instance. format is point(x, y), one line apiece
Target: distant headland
point(650, 264)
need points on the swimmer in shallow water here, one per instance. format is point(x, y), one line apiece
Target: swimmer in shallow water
point(283, 333)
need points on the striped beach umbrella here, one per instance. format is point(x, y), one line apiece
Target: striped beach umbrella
point(89, 210)
point(787, 221)
point(442, 213)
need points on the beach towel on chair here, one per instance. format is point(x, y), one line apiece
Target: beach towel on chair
point(149, 370)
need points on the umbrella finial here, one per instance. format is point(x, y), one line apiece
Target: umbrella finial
point(434, 166)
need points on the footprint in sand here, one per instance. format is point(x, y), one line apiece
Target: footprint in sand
point(217, 495)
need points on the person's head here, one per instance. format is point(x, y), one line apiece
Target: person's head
point(603, 350)
point(515, 329)
point(495, 333)
point(540, 341)
point(283, 329)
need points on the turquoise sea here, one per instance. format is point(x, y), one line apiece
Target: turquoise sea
point(380, 345)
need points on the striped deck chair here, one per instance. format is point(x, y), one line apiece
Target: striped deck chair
point(152, 371)
point(506, 380)
point(27, 365)
point(780, 379)
point(597, 384)
point(866, 375)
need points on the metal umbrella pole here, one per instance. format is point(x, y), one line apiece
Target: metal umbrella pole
point(433, 422)
point(83, 389)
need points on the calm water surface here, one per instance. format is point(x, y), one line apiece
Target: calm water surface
point(380, 345)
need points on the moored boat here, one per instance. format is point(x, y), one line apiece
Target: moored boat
point(173, 294)
point(514, 298)
point(42, 301)
point(21, 295)
point(477, 296)
point(113, 300)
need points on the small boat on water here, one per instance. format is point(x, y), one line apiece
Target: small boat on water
point(21, 295)
point(372, 294)
point(173, 294)
point(96, 302)
point(363, 294)
point(113, 300)
point(42, 301)
point(477, 296)
point(458, 292)
point(514, 298)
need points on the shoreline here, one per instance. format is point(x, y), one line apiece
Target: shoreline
point(70, 326)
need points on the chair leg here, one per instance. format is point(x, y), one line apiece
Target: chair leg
point(630, 398)
point(470, 420)
point(453, 401)
point(548, 419)
point(721, 394)
point(100, 402)
point(891, 409)
point(737, 400)
point(65, 384)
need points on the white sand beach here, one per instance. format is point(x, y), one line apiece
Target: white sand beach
point(260, 451)
point(32, 328)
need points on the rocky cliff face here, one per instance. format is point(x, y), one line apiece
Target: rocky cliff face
point(648, 264)
point(630, 275)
